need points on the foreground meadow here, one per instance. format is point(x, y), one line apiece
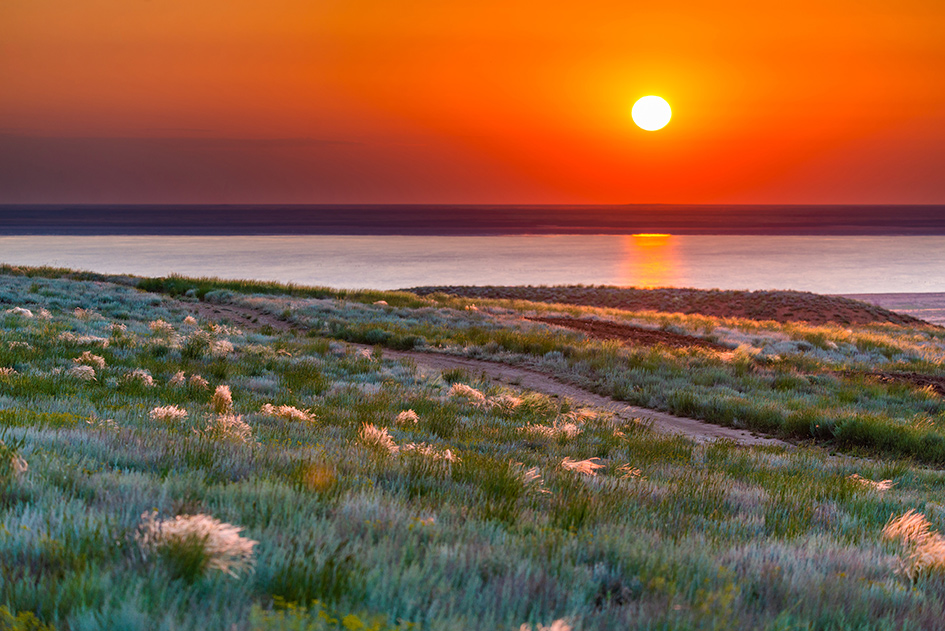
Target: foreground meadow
point(163, 467)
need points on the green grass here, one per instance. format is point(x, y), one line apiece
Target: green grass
point(775, 380)
point(712, 536)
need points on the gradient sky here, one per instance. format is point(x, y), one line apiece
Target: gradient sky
point(485, 101)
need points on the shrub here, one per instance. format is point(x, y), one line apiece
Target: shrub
point(196, 346)
point(23, 621)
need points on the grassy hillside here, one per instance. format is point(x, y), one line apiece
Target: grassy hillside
point(781, 306)
point(164, 470)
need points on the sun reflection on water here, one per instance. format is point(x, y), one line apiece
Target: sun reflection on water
point(649, 260)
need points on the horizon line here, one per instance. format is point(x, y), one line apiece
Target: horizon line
point(466, 204)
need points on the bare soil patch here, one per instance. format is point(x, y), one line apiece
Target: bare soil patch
point(238, 315)
point(780, 306)
point(519, 377)
point(631, 334)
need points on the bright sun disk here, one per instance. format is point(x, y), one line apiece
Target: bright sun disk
point(651, 113)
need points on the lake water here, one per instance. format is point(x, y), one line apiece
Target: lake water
point(823, 264)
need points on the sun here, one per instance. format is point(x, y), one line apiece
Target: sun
point(651, 113)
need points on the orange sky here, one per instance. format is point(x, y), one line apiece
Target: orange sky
point(485, 102)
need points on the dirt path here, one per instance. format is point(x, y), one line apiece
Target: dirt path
point(700, 431)
point(515, 376)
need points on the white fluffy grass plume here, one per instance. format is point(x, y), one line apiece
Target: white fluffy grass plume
point(377, 438)
point(167, 413)
point(882, 485)
point(429, 452)
point(287, 412)
point(924, 548)
point(142, 376)
point(227, 427)
point(12, 464)
point(219, 544)
point(82, 372)
point(557, 625)
point(88, 359)
point(587, 467)
point(531, 477)
point(461, 390)
point(629, 472)
point(558, 430)
point(161, 328)
point(72, 338)
point(220, 348)
point(18, 466)
point(20, 311)
point(179, 380)
point(407, 416)
point(222, 401)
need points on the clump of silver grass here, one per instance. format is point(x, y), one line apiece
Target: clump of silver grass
point(221, 545)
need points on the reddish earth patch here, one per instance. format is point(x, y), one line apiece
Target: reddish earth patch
point(631, 334)
point(780, 306)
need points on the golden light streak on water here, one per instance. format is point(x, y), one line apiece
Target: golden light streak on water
point(650, 260)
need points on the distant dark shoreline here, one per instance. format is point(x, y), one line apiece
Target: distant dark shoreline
point(469, 220)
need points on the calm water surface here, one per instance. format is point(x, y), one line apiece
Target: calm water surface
point(847, 264)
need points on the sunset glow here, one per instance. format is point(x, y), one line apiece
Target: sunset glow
point(470, 102)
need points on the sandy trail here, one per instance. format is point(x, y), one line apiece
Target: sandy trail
point(514, 376)
point(525, 378)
